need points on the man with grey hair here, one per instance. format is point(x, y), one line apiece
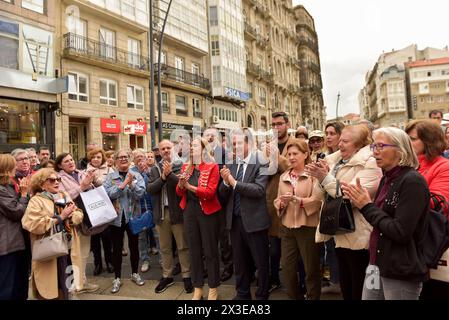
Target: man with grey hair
point(34, 161)
point(168, 217)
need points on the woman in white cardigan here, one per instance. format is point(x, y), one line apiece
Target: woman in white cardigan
point(353, 160)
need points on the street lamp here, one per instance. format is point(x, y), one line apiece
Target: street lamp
point(162, 15)
point(338, 101)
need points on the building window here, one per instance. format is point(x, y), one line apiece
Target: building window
point(134, 52)
point(262, 96)
point(135, 97)
point(181, 106)
point(78, 87)
point(107, 44)
point(163, 57)
point(216, 75)
point(447, 86)
point(9, 45)
point(197, 108)
point(34, 5)
point(165, 106)
point(213, 16)
point(215, 46)
point(108, 92)
point(179, 65)
point(79, 28)
point(423, 88)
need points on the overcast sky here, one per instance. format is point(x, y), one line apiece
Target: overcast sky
point(353, 33)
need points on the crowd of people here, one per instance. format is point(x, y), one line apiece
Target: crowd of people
point(246, 204)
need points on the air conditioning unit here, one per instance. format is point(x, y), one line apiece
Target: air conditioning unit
point(215, 119)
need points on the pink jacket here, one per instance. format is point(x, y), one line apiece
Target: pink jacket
point(71, 186)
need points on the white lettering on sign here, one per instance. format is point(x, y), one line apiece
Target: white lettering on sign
point(139, 128)
point(232, 93)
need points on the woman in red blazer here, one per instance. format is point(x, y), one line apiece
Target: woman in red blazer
point(198, 188)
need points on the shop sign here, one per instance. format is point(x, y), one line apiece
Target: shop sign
point(139, 127)
point(110, 125)
point(236, 94)
point(175, 126)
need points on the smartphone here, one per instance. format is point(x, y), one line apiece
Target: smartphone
point(319, 156)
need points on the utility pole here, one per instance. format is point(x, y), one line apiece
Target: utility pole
point(162, 15)
point(152, 115)
point(338, 101)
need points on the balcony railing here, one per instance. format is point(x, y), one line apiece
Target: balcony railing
point(257, 71)
point(308, 28)
point(172, 73)
point(261, 7)
point(309, 43)
point(92, 49)
point(251, 31)
point(292, 60)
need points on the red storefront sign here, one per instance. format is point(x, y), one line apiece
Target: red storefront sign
point(110, 126)
point(140, 128)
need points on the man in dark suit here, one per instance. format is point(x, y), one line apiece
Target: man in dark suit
point(167, 215)
point(211, 135)
point(244, 188)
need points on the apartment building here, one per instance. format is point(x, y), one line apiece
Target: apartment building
point(272, 61)
point(185, 65)
point(312, 104)
point(428, 83)
point(385, 99)
point(29, 83)
point(103, 49)
point(227, 65)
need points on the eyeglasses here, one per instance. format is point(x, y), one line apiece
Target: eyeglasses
point(316, 141)
point(53, 180)
point(23, 159)
point(123, 158)
point(277, 124)
point(381, 146)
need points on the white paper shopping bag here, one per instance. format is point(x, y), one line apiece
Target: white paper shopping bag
point(98, 206)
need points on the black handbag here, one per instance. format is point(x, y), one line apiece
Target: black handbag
point(337, 216)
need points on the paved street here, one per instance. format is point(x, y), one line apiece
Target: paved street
point(131, 291)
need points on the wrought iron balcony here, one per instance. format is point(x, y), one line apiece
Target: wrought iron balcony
point(308, 28)
point(76, 44)
point(260, 7)
point(172, 73)
point(257, 71)
point(251, 31)
point(309, 43)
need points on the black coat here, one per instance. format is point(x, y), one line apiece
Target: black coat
point(402, 223)
point(154, 188)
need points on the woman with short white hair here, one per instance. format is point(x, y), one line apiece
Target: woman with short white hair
point(398, 215)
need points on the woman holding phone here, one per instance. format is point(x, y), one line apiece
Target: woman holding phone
point(125, 188)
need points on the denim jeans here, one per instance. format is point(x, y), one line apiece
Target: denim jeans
point(380, 288)
point(144, 245)
point(331, 260)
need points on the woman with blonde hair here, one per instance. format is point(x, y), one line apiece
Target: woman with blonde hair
point(198, 188)
point(13, 260)
point(97, 164)
point(49, 278)
point(298, 205)
point(353, 161)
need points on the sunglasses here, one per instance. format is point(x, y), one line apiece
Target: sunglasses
point(53, 180)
